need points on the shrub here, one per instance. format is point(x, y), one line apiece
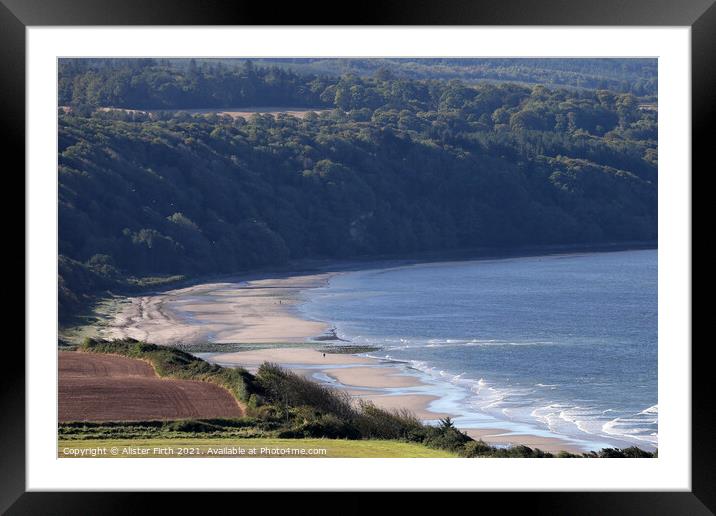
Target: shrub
point(376, 423)
point(193, 426)
point(285, 404)
point(632, 453)
point(566, 455)
point(520, 452)
point(328, 426)
point(285, 388)
point(446, 438)
point(477, 449)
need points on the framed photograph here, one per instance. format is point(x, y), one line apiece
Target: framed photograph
point(443, 248)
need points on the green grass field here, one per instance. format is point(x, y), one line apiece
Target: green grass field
point(251, 448)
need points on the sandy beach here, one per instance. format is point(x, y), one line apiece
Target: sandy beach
point(378, 377)
point(386, 384)
point(250, 311)
point(287, 356)
point(502, 437)
point(416, 403)
point(362, 377)
point(262, 311)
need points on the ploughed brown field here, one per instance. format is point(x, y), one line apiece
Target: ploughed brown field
point(99, 387)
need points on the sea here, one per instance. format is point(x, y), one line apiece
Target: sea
point(560, 345)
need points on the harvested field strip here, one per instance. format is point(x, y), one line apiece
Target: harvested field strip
point(101, 387)
point(176, 364)
point(84, 365)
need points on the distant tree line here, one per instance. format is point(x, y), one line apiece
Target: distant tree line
point(190, 83)
point(151, 84)
point(637, 76)
point(398, 166)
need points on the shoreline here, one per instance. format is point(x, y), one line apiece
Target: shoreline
point(251, 311)
point(325, 265)
point(392, 385)
point(301, 268)
point(260, 310)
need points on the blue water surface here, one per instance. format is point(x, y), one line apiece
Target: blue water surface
point(565, 343)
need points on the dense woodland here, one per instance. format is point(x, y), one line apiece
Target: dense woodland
point(636, 76)
point(395, 165)
point(217, 82)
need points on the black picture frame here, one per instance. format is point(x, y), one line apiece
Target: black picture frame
point(700, 15)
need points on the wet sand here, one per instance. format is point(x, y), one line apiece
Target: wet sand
point(415, 403)
point(379, 377)
point(362, 377)
point(261, 310)
point(377, 381)
point(288, 356)
point(502, 437)
point(253, 311)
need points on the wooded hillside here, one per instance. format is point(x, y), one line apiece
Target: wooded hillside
point(395, 166)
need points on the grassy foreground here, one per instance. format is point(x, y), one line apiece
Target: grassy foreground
point(247, 448)
point(280, 405)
